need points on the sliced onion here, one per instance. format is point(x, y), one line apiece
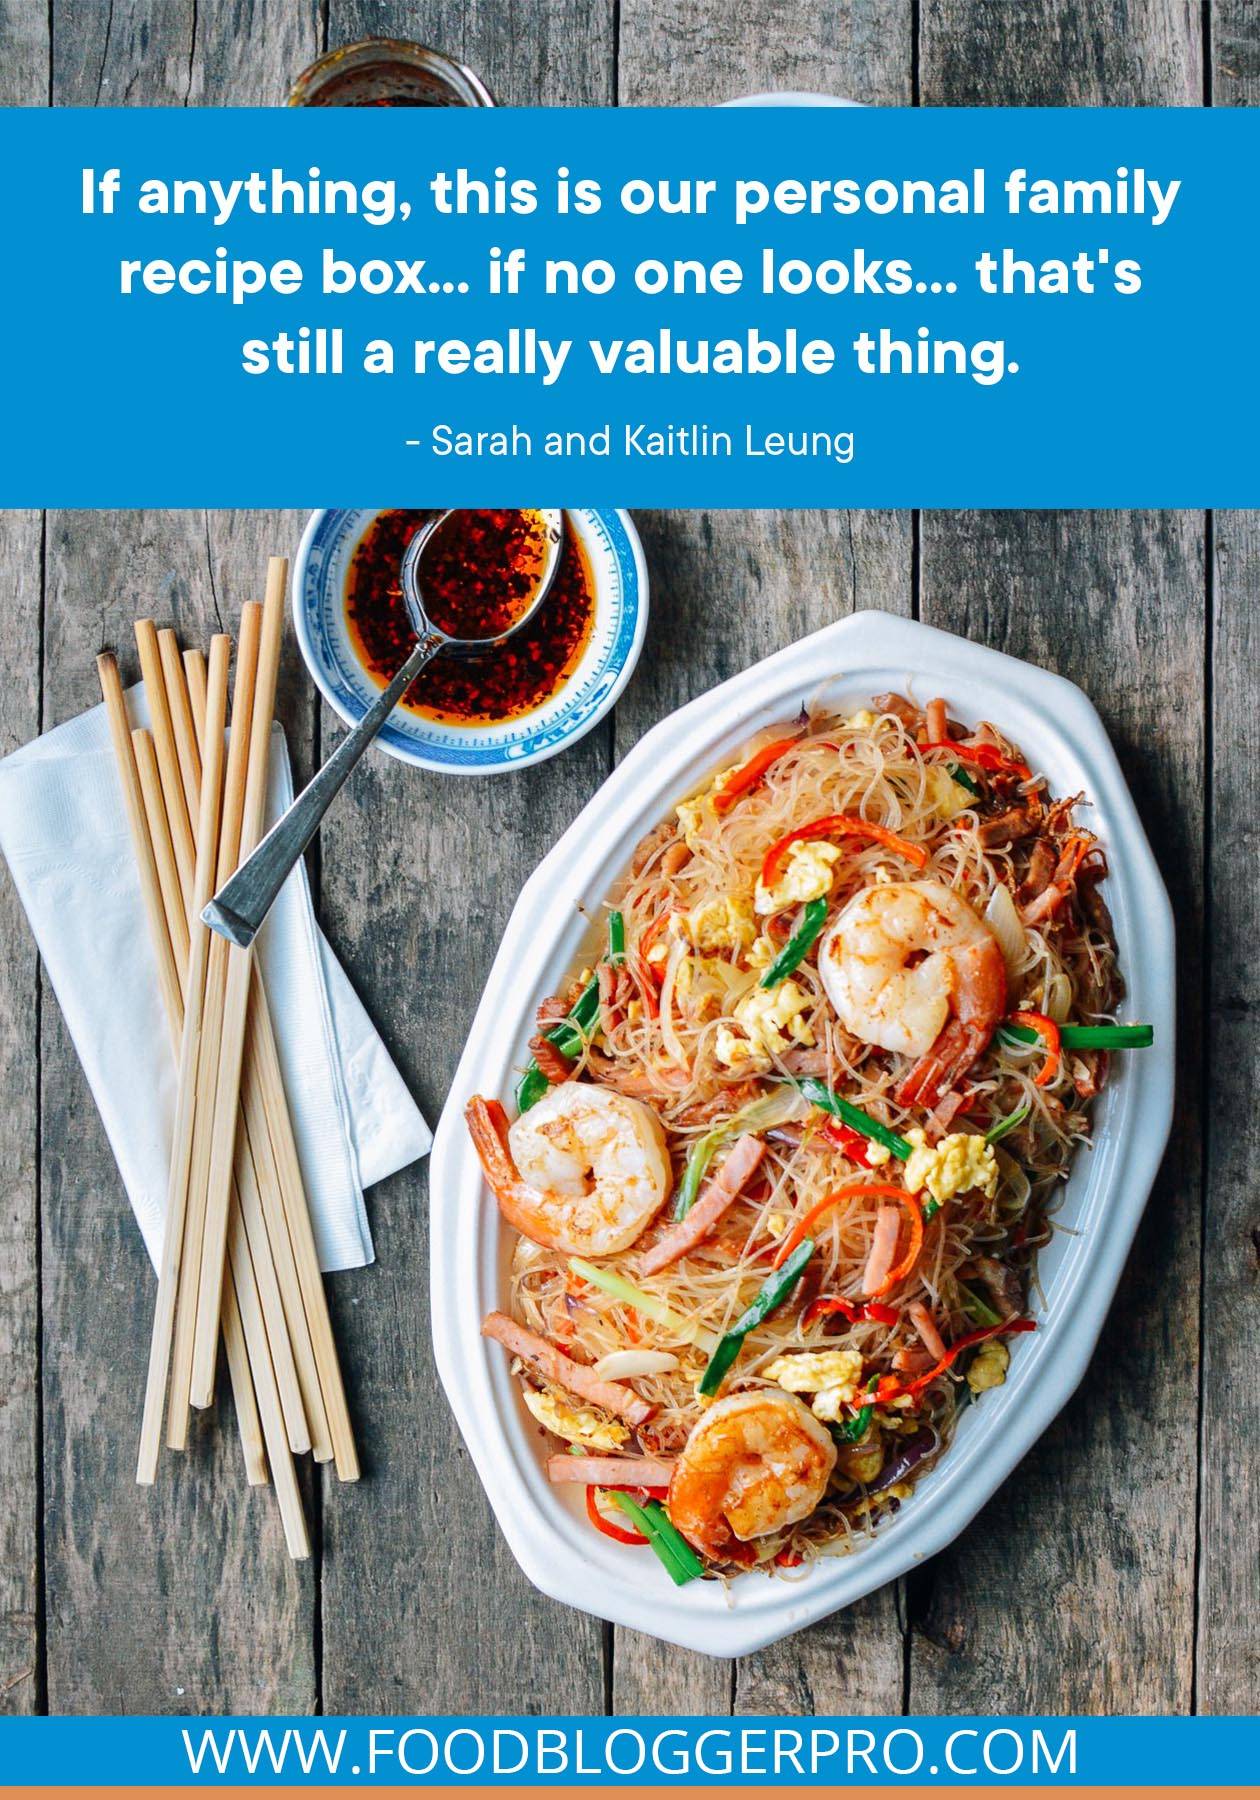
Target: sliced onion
point(669, 1036)
point(1013, 1177)
point(1057, 1003)
point(623, 1365)
point(1003, 920)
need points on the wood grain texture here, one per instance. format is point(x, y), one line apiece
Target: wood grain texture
point(179, 52)
point(727, 589)
point(1060, 53)
point(418, 877)
point(1074, 1590)
point(694, 52)
point(24, 53)
point(227, 1623)
point(529, 52)
point(1234, 63)
point(20, 1000)
point(1228, 1666)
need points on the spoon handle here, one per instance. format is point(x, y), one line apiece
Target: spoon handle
point(243, 902)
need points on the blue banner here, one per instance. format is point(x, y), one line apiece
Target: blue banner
point(631, 1752)
point(781, 307)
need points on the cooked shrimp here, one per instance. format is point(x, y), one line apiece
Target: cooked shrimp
point(585, 1170)
point(910, 966)
point(754, 1464)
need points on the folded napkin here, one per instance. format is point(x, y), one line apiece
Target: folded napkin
point(64, 833)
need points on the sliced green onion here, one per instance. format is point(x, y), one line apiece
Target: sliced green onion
point(1086, 1037)
point(570, 1035)
point(930, 1209)
point(963, 779)
point(1011, 1122)
point(649, 1517)
point(772, 1294)
point(820, 1095)
point(686, 1330)
point(798, 945)
point(852, 1429)
point(758, 1115)
point(975, 1308)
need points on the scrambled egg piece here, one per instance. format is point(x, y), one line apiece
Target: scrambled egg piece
point(988, 1367)
point(806, 875)
point(831, 1376)
point(761, 953)
point(861, 721)
point(579, 1424)
point(770, 1018)
point(777, 1224)
point(957, 1164)
point(694, 816)
point(724, 924)
point(945, 795)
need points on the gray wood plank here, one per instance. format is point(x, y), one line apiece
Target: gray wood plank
point(24, 53)
point(1075, 591)
point(728, 588)
point(1235, 53)
point(694, 52)
point(418, 877)
point(1060, 53)
point(179, 52)
point(21, 596)
point(529, 52)
point(1228, 1670)
point(178, 1598)
point(1114, 601)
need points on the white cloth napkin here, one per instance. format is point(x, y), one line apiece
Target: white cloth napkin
point(64, 833)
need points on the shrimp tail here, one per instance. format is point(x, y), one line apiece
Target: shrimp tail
point(488, 1126)
point(978, 993)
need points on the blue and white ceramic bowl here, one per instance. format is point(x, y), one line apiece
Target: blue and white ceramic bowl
point(615, 556)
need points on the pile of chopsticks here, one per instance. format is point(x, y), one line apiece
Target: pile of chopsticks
point(238, 1252)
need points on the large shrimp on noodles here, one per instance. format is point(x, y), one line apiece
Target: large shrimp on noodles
point(754, 1464)
point(910, 966)
point(584, 1171)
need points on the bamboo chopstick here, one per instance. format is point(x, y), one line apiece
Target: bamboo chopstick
point(169, 987)
point(190, 1040)
point(244, 1181)
point(242, 1297)
point(236, 998)
point(323, 1396)
point(163, 739)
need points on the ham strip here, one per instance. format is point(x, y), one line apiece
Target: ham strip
point(883, 1249)
point(554, 1365)
point(715, 1197)
point(611, 1471)
point(925, 1325)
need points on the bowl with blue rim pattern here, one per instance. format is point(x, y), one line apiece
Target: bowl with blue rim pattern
point(619, 579)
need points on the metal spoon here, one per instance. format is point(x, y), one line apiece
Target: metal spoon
point(243, 902)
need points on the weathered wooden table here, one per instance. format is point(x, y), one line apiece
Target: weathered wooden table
point(1117, 1569)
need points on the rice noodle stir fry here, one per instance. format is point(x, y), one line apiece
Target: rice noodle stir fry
point(785, 1154)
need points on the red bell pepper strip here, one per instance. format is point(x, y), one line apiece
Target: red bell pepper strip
point(597, 1519)
point(853, 1310)
point(743, 779)
point(1049, 1034)
point(838, 825)
point(890, 1388)
point(984, 756)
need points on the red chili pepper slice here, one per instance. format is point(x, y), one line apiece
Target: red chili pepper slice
point(597, 1519)
point(854, 1145)
point(838, 825)
point(853, 1310)
point(742, 780)
point(984, 756)
point(1050, 1036)
point(891, 1389)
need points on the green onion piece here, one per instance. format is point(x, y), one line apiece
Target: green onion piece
point(571, 1034)
point(649, 1516)
point(774, 1293)
point(963, 779)
point(795, 950)
point(1086, 1037)
point(820, 1095)
point(852, 1429)
point(1010, 1123)
point(619, 1288)
point(930, 1209)
point(975, 1308)
point(698, 1159)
